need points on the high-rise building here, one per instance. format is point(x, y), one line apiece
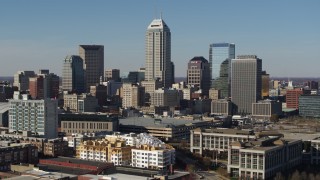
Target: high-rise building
point(80, 103)
point(265, 84)
point(21, 79)
point(246, 82)
point(222, 83)
point(44, 86)
point(73, 76)
point(218, 53)
point(198, 74)
point(38, 116)
point(93, 63)
point(158, 53)
point(292, 98)
point(112, 74)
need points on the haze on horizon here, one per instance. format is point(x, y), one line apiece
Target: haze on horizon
point(39, 35)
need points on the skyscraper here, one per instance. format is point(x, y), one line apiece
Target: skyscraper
point(158, 53)
point(222, 83)
point(93, 63)
point(246, 82)
point(21, 79)
point(198, 74)
point(73, 77)
point(218, 53)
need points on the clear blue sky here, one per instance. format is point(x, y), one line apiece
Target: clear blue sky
point(37, 34)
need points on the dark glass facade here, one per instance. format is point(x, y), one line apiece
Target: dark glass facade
point(309, 106)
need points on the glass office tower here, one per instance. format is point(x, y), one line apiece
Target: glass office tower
point(218, 53)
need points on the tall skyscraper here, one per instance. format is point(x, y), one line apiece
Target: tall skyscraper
point(246, 82)
point(158, 53)
point(112, 74)
point(222, 83)
point(21, 79)
point(73, 76)
point(93, 59)
point(218, 53)
point(198, 74)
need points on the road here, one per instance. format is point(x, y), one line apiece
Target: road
point(210, 175)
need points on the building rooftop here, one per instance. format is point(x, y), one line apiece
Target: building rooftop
point(158, 24)
point(226, 131)
point(153, 122)
point(91, 47)
point(199, 58)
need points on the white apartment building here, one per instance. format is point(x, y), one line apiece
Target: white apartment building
point(38, 116)
point(153, 157)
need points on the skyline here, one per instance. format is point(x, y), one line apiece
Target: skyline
point(39, 35)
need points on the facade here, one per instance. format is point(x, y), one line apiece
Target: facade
point(263, 110)
point(73, 75)
point(158, 53)
point(38, 116)
point(17, 153)
point(21, 79)
point(87, 123)
point(263, 158)
point(309, 106)
point(100, 92)
point(198, 74)
point(214, 94)
point(216, 139)
point(133, 95)
point(109, 149)
point(201, 106)
point(80, 103)
point(93, 63)
point(112, 74)
point(165, 97)
point(4, 114)
point(265, 84)
point(221, 107)
point(245, 82)
point(292, 98)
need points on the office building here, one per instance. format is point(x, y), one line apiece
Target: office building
point(158, 53)
point(309, 106)
point(245, 82)
point(214, 94)
point(80, 103)
point(217, 139)
point(292, 98)
point(265, 84)
point(165, 97)
point(44, 86)
point(263, 158)
point(38, 116)
point(6, 91)
point(198, 74)
point(265, 109)
point(93, 63)
point(73, 75)
point(133, 95)
point(100, 92)
point(220, 55)
point(221, 107)
point(112, 74)
point(4, 114)
point(21, 79)
point(165, 129)
point(72, 123)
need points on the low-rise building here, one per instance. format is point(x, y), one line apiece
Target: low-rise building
point(71, 123)
point(263, 158)
point(12, 153)
point(166, 128)
point(309, 106)
point(217, 139)
point(221, 107)
point(80, 103)
point(263, 110)
point(105, 150)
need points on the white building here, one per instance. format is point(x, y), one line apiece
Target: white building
point(38, 116)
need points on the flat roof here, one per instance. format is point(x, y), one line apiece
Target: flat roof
point(77, 161)
point(152, 122)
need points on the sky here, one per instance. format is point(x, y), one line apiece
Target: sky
point(39, 34)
